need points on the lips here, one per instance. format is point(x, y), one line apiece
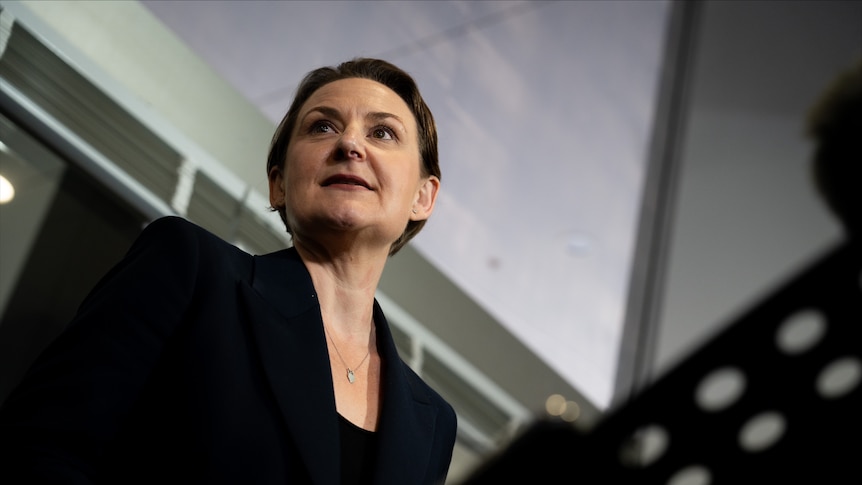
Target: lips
point(342, 179)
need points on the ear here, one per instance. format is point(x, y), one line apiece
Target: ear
point(276, 188)
point(426, 198)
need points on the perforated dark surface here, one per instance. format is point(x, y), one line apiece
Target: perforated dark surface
point(775, 398)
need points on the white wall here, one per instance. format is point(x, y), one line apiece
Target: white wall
point(747, 215)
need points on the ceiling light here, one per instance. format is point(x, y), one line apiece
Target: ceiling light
point(7, 192)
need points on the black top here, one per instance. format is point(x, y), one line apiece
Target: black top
point(358, 452)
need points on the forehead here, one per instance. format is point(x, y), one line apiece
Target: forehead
point(362, 96)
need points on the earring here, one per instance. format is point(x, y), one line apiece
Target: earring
point(414, 211)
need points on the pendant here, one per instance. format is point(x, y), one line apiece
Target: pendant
point(350, 376)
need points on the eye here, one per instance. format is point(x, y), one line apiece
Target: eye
point(383, 133)
point(321, 126)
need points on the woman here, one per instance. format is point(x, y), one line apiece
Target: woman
point(194, 362)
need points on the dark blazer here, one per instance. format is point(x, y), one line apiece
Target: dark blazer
point(192, 361)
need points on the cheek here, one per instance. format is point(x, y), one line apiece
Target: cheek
point(294, 176)
point(302, 163)
point(414, 178)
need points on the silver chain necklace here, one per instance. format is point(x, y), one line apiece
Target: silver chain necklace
point(351, 377)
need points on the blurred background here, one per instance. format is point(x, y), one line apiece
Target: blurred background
point(620, 179)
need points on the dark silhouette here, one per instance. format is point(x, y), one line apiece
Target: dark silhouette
point(835, 125)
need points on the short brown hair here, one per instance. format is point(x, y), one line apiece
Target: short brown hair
point(384, 73)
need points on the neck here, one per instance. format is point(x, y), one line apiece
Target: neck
point(345, 287)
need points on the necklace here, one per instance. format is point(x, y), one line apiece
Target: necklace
point(351, 377)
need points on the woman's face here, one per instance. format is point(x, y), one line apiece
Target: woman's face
point(352, 170)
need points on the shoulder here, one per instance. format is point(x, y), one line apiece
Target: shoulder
point(421, 389)
point(171, 245)
point(445, 427)
point(175, 228)
point(179, 235)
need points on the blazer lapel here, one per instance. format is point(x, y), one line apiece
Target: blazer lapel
point(406, 431)
point(288, 329)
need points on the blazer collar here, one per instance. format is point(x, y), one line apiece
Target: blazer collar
point(288, 328)
point(407, 421)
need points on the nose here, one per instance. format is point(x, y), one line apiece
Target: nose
point(351, 145)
